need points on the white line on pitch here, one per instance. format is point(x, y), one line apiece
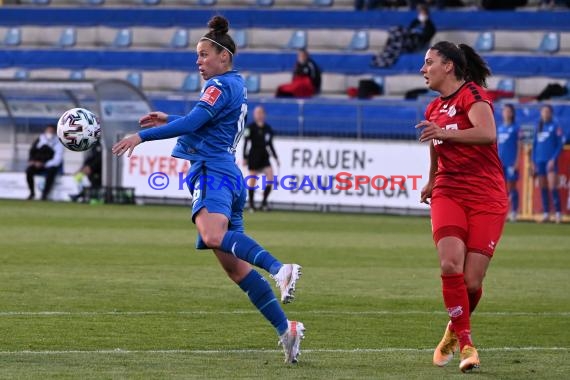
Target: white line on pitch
point(250, 351)
point(234, 312)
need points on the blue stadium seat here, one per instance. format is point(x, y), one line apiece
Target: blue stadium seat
point(77, 75)
point(506, 84)
point(252, 83)
point(323, 3)
point(13, 37)
point(22, 74)
point(550, 43)
point(94, 2)
point(206, 2)
point(150, 2)
point(485, 42)
point(240, 38)
point(123, 38)
point(359, 41)
point(68, 38)
point(298, 40)
point(135, 78)
point(191, 83)
point(265, 3)
point(180, 39)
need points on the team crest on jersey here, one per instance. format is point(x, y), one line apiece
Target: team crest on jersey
point(211, 95)
point(452, 111)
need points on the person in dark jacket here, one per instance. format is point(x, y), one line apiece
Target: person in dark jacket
point(306, 78)
point(406, 40)
point(46, 157)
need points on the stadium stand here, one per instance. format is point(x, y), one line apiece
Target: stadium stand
point(526, 50)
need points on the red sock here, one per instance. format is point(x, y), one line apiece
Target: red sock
point(474, 299)
point(457, 304)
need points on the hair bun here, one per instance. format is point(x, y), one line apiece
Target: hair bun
point(219, 25)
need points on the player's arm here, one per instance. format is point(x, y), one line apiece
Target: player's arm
point(270, 145)
point(246, 141)
point(178, 127)
point(427, 189)
point(484, 131)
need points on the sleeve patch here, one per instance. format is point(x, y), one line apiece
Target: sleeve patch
point(211, 95)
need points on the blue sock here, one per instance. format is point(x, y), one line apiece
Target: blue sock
point(545, 200)
point(261, 295)
point(556, 200)
point(514, 200)
point(247, 249)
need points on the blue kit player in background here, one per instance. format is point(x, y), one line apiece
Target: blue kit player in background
point(509, 145)
point(546, 149)
point(208, 137)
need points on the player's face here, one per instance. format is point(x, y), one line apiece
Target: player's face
point(259, 115)
point(507, 114)
point(434, 70)
point(210, 62)
point(546, 113)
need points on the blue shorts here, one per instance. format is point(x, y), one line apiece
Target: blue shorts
point(541, 170)
point(220, 189)
point(511, 173)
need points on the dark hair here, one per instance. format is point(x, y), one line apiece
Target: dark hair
point(219, 27)
point(512, 108)
point(423, 8)
point(541, 122)
point(468, 65)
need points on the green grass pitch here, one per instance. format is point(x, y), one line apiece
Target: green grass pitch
point(119, 292)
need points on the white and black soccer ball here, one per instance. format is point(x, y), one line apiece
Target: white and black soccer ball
point(78, 129)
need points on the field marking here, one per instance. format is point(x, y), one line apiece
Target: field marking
point(261, 351)
point(238, 312)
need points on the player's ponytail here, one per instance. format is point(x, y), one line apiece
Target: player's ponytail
point(476, 67)
point(468, 65)
point(219, 37)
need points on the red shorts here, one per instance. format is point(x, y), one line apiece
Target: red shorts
point(478, 226)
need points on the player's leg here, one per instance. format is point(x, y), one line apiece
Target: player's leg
point(552, 179)
point(543, 185)
point(449, 233)
point(268, 172)
point(212, 208)
point(485, 229)
point(251, 182)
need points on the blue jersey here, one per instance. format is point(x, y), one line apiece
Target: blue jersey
point(508, 143)
point(548, 142)
point(211, 131)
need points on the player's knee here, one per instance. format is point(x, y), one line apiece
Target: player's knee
point(473, 284)
point(212, 239)
point(450, 266)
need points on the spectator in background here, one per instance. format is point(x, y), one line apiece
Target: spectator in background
point(260, 135)
point(92, 168)
point(546, 149)
point(509, 145)
point(306, 78)
point(46, 157)
point(406, 40)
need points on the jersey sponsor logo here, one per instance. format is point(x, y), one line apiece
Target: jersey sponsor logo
point(211, 95)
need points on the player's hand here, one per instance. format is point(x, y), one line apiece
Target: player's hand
point(153, 119)
point(127, 145)
point(425, 194)
point(430, 131)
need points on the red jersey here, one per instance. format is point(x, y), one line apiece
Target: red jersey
point(473, 173)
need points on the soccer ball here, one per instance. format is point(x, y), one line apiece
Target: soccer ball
point(78, 129)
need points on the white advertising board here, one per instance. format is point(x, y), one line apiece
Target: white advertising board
point(313, 171)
